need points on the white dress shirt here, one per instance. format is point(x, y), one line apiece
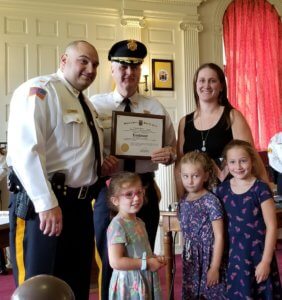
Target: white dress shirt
point(3, 167)
point(106, 103)
point(275, 152)
point(48, 133)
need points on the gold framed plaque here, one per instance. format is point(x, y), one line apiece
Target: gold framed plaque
point(163, 74)
point(136, 135)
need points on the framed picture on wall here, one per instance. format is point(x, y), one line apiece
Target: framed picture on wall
point(163, 74)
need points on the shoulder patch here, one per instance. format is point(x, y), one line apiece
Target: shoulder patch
point(38, 92)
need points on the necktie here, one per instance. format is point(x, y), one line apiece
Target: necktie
point(127, 108)
point(93, 131)
point(129, 164)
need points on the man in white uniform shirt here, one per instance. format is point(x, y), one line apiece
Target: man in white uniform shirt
point(126, 58)
point(275, 159)
point(54, 149)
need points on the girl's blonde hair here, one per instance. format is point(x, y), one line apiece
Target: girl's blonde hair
point(196, 157)
point(249, 149)
point(116, 185)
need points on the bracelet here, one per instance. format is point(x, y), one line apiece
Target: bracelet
point(144, 261)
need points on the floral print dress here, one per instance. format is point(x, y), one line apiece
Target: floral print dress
point(246, 230)
point(133, 284)
point(196, 225)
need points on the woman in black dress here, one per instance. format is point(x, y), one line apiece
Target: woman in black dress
point(213, 124)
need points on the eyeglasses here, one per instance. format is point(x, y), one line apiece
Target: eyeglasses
point(130, 195)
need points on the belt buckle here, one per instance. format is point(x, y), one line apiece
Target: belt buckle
point(83, 192)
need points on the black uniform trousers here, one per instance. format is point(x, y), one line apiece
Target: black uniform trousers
point(2, 261)
point(68, 257)
point(149, 213)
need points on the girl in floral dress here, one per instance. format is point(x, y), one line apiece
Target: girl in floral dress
point(134, 265)
point(252, 271)
point(201, 221)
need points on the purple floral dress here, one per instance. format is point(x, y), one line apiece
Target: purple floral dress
point(246, 230)
point(133, 284)
point(196, 225)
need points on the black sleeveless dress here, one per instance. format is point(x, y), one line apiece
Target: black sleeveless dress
point(216, 138)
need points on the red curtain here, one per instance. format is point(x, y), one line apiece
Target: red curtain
point(252, 33)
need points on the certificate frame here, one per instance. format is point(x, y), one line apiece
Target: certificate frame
point(136, 135)
point(163, 78)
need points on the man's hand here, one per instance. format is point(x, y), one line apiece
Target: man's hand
point(51, 221)
point(109, 165)
point(164, 156)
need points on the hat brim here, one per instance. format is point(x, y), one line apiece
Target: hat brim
point(128, 60)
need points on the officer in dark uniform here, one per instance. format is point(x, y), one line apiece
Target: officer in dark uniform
point(126, 58)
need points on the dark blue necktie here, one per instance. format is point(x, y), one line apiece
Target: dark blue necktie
point(129, 164)
point(93, 131)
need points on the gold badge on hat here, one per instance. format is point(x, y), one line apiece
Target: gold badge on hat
point(132, 45)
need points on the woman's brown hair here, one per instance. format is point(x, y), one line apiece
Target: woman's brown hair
point(222, 99)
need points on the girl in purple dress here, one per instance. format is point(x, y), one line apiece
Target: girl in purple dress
point(252, 271)
point(201, 221)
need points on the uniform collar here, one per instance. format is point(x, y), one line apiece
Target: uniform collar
point(118, 98)
point(73, 90)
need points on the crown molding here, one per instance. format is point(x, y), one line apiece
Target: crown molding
point(60, 6)
point(160, 9)
point(175, 2)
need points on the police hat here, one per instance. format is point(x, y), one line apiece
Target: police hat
point(128, 52)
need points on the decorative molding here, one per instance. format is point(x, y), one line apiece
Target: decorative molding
point(77, 30)
point(105, 32)
point(156, 9)
point(194, 26)
point(133, 22)
point(57, 7)
point(176, 2)
point(14, 25)
point(161, 36)
point(132, 18)
point(47, 28)
point(16, 56)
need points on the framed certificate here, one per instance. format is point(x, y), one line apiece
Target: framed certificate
point(136, 135)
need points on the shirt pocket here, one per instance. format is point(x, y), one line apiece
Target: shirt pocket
point(74, 129)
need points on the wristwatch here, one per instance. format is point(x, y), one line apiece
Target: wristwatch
point(144, 261)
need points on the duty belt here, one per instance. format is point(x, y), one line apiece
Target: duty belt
point(80, 193)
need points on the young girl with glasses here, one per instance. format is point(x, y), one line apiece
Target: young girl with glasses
point(134, 265)
point(201, 222)
point(252, 271)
